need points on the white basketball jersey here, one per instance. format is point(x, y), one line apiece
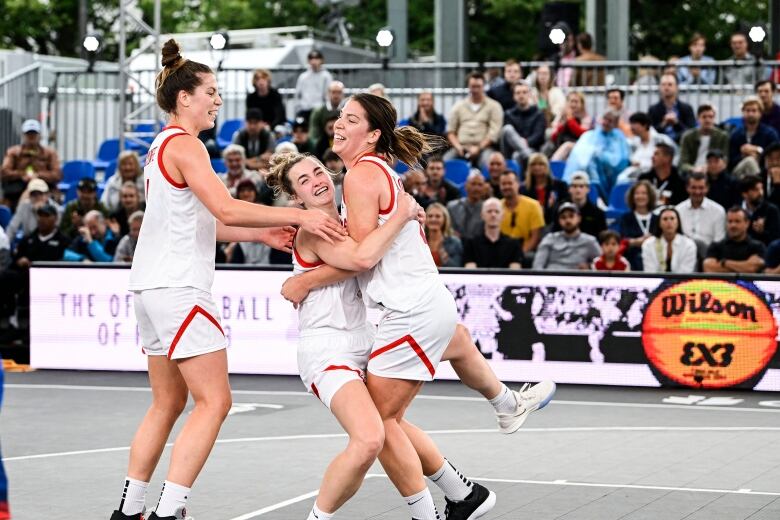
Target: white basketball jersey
point(177, 243)
point(407, 272)
point(337, 306)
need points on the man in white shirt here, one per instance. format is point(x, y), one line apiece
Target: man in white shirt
point(702, 219)
point(311, 89)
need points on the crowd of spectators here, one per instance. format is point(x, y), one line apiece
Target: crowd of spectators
point(699, 196)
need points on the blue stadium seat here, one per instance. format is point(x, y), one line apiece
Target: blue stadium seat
point(108, 151)
point(401, 167)
point(72, 173)
point(732, 123)
point(557, 168)
point(5, 216)
point(110, 170)
point(403, 122)
point(145, 128)
point(226, 131)
point(512, 165)
point(617, 200)
point(218, 165)
point(456, 171)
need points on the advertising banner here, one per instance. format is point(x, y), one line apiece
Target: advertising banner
point(582, 329)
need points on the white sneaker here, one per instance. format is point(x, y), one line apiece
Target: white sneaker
point(529, 399)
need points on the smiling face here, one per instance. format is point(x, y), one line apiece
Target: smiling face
point(312, 184)
point(129, 168)
point(352, 136)
point(434, 218)
point(204, 102)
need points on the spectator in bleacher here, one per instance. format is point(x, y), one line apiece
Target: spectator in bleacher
point(770, 116)
point(234, 156)
point(503, 91)
point(723, 186)
point(248, 191)
point(267, 99)
point(474, 124)
point(592, 219)
point(331, 108)
point(325, 142)
point(130, 202)
point(748, 73)
point(669, 250)
point(696, 75)
point(95, 243)
point(602, 152)
point(495, 167)
point(491, 247)
point(663, 176)
point(86, 200)
point(642, 145)
point(128, 169)
point(300, 136)
point(523, 217)
point(772, 258)
point(615, 101)
point(737, 253)
point(636, 225)
point(256, 139)
point(27, 161)
point(334, 163)
point(541, 185)
point(764, 216)
point(126, 247)
point(771, 173)
point(426, 119)
point(697, 142)
point(311, 89)
point(748, 142)
point(574, 122)
point(524, 125)
point(550, 99)
point(25, 218)
point(378, 89)
point(11, 284)
point(587, 76)
point(610, 259)
point(466, 212)
point(567, 52)
point(702, 219)
point(437, 188)
point(569, 248)
point(446, 248)
point(671, 116)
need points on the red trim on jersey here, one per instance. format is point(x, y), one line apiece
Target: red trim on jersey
point(160, 163)
point(301, 261)
point(344, 367)
point(389, 181)
point(315, 391)
point(195, 310)
point(412, 343)
point(171, 127)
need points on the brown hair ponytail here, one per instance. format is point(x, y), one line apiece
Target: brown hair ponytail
point(177, 74)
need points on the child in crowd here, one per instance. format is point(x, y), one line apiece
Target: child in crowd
point(611, 258)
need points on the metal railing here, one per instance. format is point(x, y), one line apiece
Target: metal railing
point(82, 109)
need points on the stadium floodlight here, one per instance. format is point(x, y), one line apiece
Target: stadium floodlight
point(219, 40)
point(385, 37)
point(557, 35)
point(91, 43)
point(757, 34)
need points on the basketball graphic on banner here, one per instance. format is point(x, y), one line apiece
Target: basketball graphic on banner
point(708, 333)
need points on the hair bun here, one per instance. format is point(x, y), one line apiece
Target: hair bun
point(171, 53)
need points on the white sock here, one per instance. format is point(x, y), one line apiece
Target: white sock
point(133, 496)
point(451, 482)
point(505, 401)
point(316, 514)
point(421, 506)
point(172, 500)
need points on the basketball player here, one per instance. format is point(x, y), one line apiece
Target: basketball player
point(187, 210)
point(418, 312)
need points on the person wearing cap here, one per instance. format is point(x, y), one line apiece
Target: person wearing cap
point(96, 242)
point(27, 161)
point(331, 108)
point(696, 143)
point(592, 219)
point(311, 89)
point(267, 99)
point(569, 248)
point(24, 218)
point(747, 143)
point(300, 136)
point(86, 200)
point(257, 140)
point(723, 186)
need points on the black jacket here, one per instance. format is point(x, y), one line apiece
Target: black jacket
point(685, 119)
point(529, 123)
point(271, 105)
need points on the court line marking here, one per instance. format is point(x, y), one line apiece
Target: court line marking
point(570, 429)
point(424, 397)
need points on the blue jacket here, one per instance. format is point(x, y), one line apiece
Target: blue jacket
point(97, 250)
point(764, 136)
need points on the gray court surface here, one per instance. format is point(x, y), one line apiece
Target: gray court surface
point(594, 453)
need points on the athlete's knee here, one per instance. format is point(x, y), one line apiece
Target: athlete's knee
point(217, 403)
point(172, 404)
point(367, 445)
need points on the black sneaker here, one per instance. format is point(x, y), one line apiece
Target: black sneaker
point(118, 515)
point(480, 501)
point(154, 516)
